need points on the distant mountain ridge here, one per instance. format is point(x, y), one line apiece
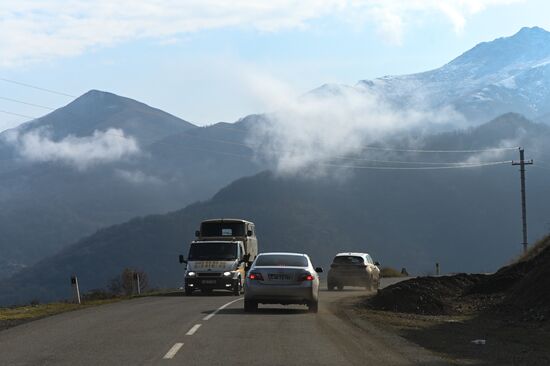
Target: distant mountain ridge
point(509, 74)
point(100, 110)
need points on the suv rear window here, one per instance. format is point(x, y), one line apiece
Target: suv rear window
point(348, 259)
point(277, 260)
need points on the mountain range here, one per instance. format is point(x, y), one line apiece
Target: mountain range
point(104, 159)
point(464, 219)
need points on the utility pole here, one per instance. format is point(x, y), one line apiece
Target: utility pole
point(522, 164)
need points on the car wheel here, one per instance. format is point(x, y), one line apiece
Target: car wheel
point(250, 306)
point(330, 286)
point(188, 291)
point(313, 306)
point(237, 287)
point(340, 287)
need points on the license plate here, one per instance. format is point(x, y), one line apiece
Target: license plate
point(209, 282)
point(279, 276)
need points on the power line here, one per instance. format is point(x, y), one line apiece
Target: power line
point(37, 87)
point(370, 147)
point(27, 103)
point(439, 151)
point(16, 114)
point(341, 157)
point(492, 163)
point(440, 165)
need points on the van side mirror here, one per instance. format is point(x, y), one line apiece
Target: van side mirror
point(197, 233)
point(182, 259)
point(319, 269)
point(249, 233)
point(377, 263)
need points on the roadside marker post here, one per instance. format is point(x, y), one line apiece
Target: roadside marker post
point(437, 269)
point(76, 289)
point(136, 283)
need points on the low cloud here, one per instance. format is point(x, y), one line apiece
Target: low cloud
point(102, 147)
point(35, 31)
point(308, 132)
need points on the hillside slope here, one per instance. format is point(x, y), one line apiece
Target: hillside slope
point(53, 191)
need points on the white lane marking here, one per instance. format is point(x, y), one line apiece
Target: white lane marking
point(175, 348)
point(211, 315)
point(193, 329)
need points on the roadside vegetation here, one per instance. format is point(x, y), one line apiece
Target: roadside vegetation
point(122, 287)
point(392, 272)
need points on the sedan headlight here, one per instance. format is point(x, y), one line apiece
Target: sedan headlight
point(191, 274)
point(227, 274)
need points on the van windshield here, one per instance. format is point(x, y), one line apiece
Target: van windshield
point(222, 229)
point(213, 251)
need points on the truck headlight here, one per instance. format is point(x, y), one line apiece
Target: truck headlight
point(227, 274)
point(191, 274)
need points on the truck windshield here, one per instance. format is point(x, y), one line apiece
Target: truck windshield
point(222, 229)
point(212, 251)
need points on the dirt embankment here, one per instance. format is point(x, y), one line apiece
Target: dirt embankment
point(520, 290)
point(507, 313)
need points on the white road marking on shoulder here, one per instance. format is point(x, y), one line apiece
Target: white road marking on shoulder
point(175, 348)
point(193, 329)
point(210, 316)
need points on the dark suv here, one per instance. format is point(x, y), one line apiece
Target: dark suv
point(353, 269)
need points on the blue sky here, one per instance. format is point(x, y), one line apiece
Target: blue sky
point(208, 61)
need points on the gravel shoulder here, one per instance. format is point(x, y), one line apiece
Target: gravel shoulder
point(506, 342)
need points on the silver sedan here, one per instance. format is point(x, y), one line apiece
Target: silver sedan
point(282, 278)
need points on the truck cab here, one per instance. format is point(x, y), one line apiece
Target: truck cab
point(220, 256)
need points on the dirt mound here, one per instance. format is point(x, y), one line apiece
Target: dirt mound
point(520, 290)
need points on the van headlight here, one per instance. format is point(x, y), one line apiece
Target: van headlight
point(227, 274)
point(191, 274)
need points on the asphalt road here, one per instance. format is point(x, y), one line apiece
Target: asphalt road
point(179, 330)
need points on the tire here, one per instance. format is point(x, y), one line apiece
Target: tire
point(237, 288)
point(330, 286)
point(313, 307)
point(340, 287)
point(250, 306)
point(188, 291)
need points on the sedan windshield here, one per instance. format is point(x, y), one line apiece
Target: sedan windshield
point(212, 251)
point(281, 260)
point(348, 259)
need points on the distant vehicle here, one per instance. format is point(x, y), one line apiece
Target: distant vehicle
point(220, 256)
point(353, 269)
point(282, 278)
